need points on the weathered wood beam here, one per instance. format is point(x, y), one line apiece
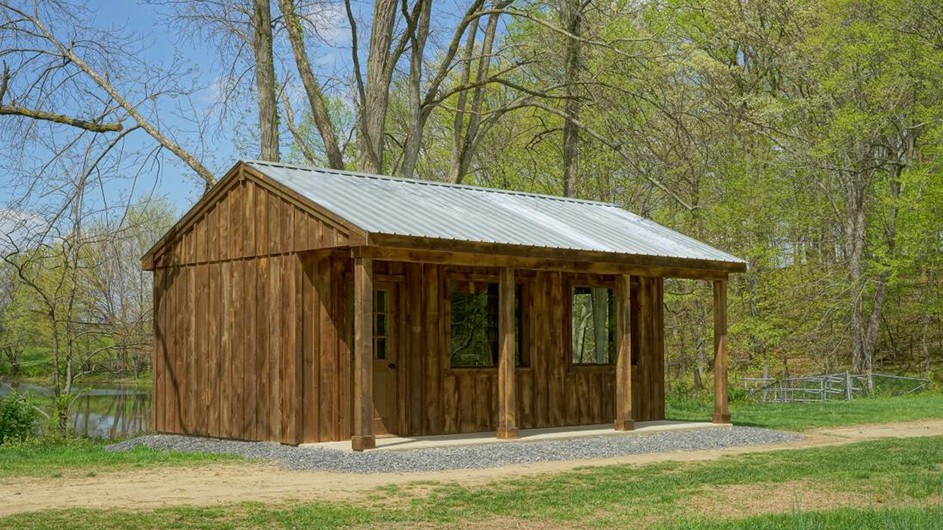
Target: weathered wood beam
point(362, 431)
point(721, 413)
point(623, 309)
point(530, 262)
point(504, 250)
point(507, 387)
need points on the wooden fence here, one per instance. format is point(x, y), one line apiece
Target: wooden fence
point(830, 387)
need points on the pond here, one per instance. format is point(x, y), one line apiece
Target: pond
point(103, 411)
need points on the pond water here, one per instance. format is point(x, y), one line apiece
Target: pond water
point(103, 411)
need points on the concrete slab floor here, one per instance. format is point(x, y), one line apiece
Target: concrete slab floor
point(642, 428)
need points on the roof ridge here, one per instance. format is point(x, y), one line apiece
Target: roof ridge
point(480, 189)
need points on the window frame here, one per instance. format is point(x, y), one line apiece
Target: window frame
point(524, 282)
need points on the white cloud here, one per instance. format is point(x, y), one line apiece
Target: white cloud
point(20, 229)
point(327, 20)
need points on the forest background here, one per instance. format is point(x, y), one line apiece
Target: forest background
point(801, 135)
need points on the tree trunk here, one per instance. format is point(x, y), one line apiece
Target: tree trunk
point(458, 122)
point(571, 18)
point(416, 121)
point(319, 111)
point(600, 296)
point(265, 84)
point(374, 106)
point(700, 365)
point(465, 142)
point(925, 325)
point(855, 236)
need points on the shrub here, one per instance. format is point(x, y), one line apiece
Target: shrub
point(18, 418)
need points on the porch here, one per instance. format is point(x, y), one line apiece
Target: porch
point(642, 428)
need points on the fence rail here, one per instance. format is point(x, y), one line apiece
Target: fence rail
point(844, 386)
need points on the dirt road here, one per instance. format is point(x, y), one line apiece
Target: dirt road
point(220, 484)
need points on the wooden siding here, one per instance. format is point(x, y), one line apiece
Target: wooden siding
point(237, 355)
point(247, 219)
point(550, 391)
point(253, 330)
point(261, 350)
point(228, 361)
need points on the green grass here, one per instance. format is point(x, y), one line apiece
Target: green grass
point(927, 517)
point(81, 457)
point(35, 362)
point(804, 416)
point(905, 474)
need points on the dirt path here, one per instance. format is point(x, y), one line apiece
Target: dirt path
point(232, 483)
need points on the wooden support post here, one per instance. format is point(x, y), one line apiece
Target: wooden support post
point(362, 430)
point(507, 387)
point(721, 413)
point(623, 307)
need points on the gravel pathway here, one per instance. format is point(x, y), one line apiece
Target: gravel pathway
point(463, 457)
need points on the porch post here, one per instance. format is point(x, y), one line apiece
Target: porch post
point(507, 387)
point(623, 310)
point(721, 413)
point(362, 437)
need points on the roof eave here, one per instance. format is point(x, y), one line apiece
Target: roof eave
point(658, 265)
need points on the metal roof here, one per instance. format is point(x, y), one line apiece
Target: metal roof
point(397, 206)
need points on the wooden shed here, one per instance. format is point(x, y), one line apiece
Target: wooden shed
point(302, 305)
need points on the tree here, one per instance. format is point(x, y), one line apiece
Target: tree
point(17, 329)
point(58, 58)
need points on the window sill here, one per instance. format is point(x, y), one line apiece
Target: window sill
point(592, 368)
point(479, 369)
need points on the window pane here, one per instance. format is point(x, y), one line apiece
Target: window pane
point(380, 301)
point(379, 349)
point(592, 325)
point(519, 358)
point(380, 328)
point(473, 316)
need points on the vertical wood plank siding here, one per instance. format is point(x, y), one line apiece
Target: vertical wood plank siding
point(238, 323)
point(253, 336)
point(551, 392)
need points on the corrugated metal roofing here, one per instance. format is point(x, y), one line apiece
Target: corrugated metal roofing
point(387, 205)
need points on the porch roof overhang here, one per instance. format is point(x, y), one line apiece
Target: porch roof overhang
point(392, 247)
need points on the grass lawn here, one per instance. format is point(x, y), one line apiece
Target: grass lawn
point(883, 484)
point(83, 457)
point(805, 416)
point(889, 483)
point(86, 458)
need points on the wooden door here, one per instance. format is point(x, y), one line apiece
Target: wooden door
point(385, 353)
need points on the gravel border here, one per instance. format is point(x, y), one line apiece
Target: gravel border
point(464, 457)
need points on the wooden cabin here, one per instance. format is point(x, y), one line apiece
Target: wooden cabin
point(309, 305)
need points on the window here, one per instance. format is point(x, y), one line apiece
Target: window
point(381, 324)
point(593, 325)
point(473, 324)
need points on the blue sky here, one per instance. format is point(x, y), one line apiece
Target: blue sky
point(329, 56)
point(181, 190)
point(162, 43)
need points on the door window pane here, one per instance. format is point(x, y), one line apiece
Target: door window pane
point(381, 324)
point(380, 348)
